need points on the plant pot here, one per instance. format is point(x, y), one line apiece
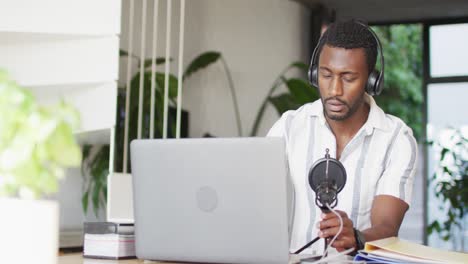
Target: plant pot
point(28, 231)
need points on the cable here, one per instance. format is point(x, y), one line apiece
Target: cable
point(128, 90)
point(332, 259)
point(180, 64)
point(317, 238)
point(337, 234)
point(306, 245)
point(167, 67)
point(334, 256)
point(142, 70)
point(153, 65)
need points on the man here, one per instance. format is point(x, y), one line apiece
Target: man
point(377, 150)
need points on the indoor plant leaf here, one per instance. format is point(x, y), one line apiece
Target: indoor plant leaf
point(300, 65)
point(43, 142)
point(159, 60)
point(173, 83)
point(124, 53)
point(202, 61)
point(284, 102)
point(302, 91)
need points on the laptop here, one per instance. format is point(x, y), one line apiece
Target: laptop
point(210, 200)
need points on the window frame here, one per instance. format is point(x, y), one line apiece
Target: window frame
point(427, 79)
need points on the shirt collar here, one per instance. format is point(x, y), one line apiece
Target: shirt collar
point(376, 118)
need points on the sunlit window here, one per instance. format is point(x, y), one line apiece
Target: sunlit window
point(448, 50)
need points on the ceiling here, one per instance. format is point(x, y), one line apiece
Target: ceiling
point(384, 11)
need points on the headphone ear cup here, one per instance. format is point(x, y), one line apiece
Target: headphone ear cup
point(313, 76)
point(379, 85)
point(372, 83)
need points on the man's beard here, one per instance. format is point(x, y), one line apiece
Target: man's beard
point(350, 108)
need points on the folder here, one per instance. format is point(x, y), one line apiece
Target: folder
point(395, 250)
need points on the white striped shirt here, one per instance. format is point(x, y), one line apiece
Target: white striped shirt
point(379, 159)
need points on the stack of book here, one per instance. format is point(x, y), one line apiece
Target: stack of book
point(109, 240)
point(395, 250)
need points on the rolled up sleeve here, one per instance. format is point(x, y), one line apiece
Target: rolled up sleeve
point(398, 177)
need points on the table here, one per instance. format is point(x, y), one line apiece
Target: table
point(77, 258)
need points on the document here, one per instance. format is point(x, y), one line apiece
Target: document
point(395, 250)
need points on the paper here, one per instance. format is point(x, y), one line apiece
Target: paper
point(398, 249)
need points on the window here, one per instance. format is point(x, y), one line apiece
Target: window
point(448, 50)
point(447, 91)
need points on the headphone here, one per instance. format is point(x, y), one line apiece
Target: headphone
point(374, 85)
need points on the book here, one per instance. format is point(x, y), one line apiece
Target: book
point(395, 250)
point(109, 246)
point(108, 240)
point(108, 228)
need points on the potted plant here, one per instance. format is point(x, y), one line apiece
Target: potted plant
point(450, 183)
point(299, 92)
point(36, 144)
point(96, 158)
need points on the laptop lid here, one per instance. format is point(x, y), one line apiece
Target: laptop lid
point(219, 200)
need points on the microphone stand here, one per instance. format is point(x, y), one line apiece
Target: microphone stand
point(307, 245)
point(326, 194)
point(310, 243)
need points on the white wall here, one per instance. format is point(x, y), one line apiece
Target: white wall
point(66, 49)
point(258, 38)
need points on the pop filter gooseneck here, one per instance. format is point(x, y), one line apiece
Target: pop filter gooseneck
point(327, 177)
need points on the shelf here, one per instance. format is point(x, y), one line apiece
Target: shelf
point(39, 60)
point(96, 103)
point(84, 17)
point(96, 137)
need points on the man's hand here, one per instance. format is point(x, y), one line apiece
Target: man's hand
point(330, 225)
point(386, 216)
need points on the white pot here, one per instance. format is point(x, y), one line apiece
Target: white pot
point(28, 231)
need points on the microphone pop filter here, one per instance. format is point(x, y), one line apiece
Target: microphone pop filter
point(327, 177)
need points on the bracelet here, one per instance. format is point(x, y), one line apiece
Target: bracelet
point(359, 238)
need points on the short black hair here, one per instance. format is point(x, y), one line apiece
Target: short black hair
point(350, 34)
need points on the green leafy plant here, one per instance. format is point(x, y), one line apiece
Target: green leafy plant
point(299, 92)
point(451, 185)
point(36, 142)
point(402, 95)
point(96, 163)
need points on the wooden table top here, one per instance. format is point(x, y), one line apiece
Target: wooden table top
point(77, 258)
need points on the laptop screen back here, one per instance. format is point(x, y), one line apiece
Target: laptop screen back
point(210, 200)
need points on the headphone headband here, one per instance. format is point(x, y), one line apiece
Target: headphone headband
point(374, 84)
point(380, 50)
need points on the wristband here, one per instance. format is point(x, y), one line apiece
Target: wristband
point(360, 239)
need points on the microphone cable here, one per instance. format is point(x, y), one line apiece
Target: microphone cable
point(337, 234)
point(317, 238)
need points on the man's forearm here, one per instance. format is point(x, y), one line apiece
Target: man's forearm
point(386, 217)
point(379, 232)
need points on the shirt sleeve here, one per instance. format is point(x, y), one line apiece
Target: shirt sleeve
point(280, 128)
point(398, 176)
point(277, 130)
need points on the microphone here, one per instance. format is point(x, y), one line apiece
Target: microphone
point(327, 177)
